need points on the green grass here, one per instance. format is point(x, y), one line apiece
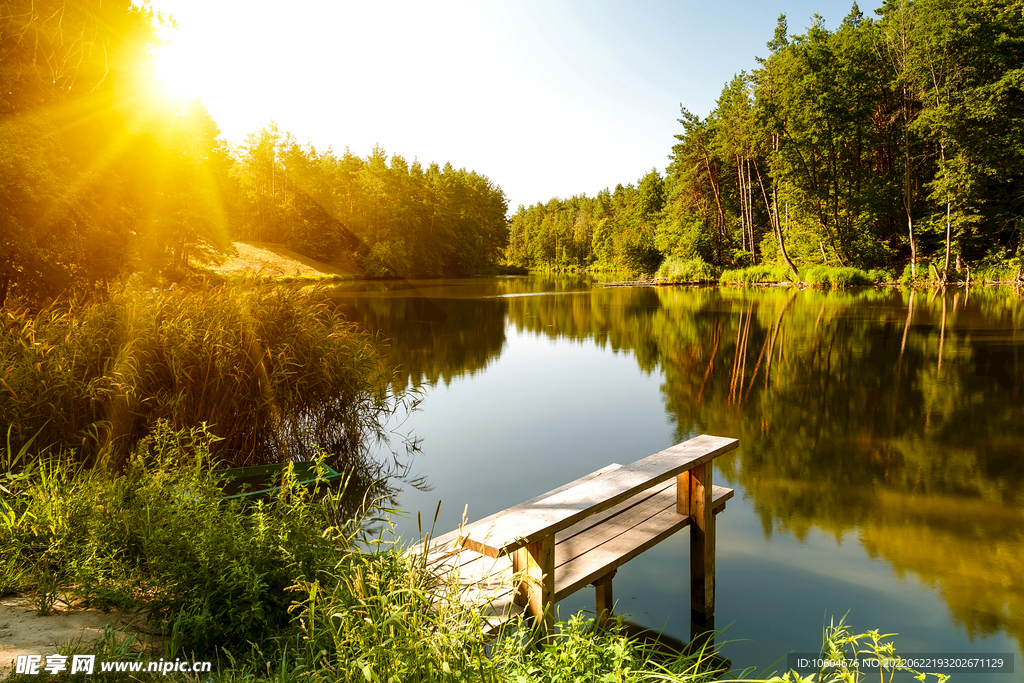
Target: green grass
point(675, 269)
point(755, 275)
point(825, 277)
point(832, 277)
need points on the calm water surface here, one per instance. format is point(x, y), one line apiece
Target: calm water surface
point(881, 456)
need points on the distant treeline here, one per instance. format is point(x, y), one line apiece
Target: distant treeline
point(885, 143)
point(101, 175)
point(397, 218)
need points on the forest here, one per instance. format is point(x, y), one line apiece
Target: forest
point(894, 142)
point(102, 175)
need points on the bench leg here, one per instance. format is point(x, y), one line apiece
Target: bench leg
point(693, 497)
point(537, 593)
point(605, 602)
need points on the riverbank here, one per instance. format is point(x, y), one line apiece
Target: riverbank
point(286, 590)
point(696, 272)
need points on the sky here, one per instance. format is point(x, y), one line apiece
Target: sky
point(547, 99)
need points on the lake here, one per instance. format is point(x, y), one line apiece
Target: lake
point(881, 432)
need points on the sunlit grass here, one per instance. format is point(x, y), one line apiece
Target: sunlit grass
point(273, 370)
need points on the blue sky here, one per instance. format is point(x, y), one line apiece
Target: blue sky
point(545, 98)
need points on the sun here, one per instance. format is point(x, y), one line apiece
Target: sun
point(176, 68)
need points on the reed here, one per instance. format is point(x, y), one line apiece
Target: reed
point(158, 536)
point(274, 372)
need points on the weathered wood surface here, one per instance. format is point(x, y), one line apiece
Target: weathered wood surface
point(583, 554)
point(580, 533)
point(528, 522)
point(635, 534)
point(445, 540)
point(694, 497)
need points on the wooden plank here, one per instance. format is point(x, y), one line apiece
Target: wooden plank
point(526, 523)
point(589, 567)
point(455, 535)
point(443, 561)
point(584, 569)
point(568, 548)
point(600, 518)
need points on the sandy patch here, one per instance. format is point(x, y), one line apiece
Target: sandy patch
point(23, 632)
point(272, 260)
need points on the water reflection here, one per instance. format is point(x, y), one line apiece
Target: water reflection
point(891, 417)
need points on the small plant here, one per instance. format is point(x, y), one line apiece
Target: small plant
point(849, 651)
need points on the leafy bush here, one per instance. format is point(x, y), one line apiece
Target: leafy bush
point(881, 275)
point(999, 270)
point(387, 258)
point(639, 258)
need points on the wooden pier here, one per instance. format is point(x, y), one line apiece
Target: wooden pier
point(528, 557)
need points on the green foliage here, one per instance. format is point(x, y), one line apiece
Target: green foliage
point(756, 274)
point(639, 259)
point(684, 237)
point(691, 270)
point(397, 220)
point(159, 537)
point(882, 140)
point(841, 645)
point(836, 278)
point(273, 370)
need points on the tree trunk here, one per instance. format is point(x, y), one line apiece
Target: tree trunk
point(773, 217)
point(949, 233)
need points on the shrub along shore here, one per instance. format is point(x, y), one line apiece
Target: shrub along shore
point(679, 271)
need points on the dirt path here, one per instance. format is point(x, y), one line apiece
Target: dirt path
point(23, 632)
point(273, 260)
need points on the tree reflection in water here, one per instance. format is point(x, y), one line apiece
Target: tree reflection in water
point(892, 416)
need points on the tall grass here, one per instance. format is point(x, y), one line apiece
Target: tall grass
point(828, 277)
point(273, 371)
point(675, 269)
point(159, 536)
point(756, 274)
point(835, 277)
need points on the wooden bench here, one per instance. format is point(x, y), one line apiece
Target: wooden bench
point(531, 555)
